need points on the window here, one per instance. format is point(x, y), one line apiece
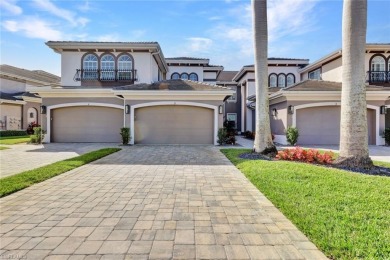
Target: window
point(290, 80)
point(273, 80)
point(232, 117)
point(281, 81)
point(90, 67)
point(184, 76)
point(125, 67)
point(175, 76)
point(315, 74)
point(378, 64)
point(107, 66)
point(193, 77)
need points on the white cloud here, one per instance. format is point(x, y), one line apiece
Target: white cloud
point(11, 7)
point(67, 15)
point(198, 44)
point(85, 7)
point(33, 27)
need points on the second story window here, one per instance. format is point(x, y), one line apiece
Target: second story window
point(184, 76)
point(281, 81)
point(193, 77)
point(315, 74)
point(273, 79)
point(378, 64)
point(175, 76)
point(90, 66)
point(290, 80)
point(107, 67)
point(125, 67)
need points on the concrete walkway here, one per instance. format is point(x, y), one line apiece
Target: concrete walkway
point(377, 153)
point(22, 157)
point(149, 202)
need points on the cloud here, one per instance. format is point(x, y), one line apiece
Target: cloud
point(198, 44)
point(85, 7)
point(33, 27)
point(67, 15)
point(11, 7)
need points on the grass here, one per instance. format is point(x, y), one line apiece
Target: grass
point(14, 139)
point(3, 148)
point(25, 179)
point(345, 214)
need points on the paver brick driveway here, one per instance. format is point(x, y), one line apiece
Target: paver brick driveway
point(149, 202)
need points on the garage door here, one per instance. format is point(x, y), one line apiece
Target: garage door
point(321, 125)
point(173, 125)
point(86, 124)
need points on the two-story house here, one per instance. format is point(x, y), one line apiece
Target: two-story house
point(19, 108)
point(109, 85)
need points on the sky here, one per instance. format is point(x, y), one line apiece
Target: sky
point(220, 30)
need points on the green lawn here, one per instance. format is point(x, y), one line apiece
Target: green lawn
point(3, 148)
point(14, 139)
point(25, 179)
point(347, 215)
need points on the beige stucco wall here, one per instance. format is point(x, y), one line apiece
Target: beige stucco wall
point(26, 115)
point(279, 122)
point(187, 69)
point(332, 71)
point(11, 110)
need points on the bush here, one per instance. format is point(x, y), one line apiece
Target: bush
point(386, 134)
point(222, 136)
point(7, 133)
point(307, 156)
point(292, 135)
point(30, 128)
point(39, 135)
point(125, 133)
point(231, 139)
point(249, 135)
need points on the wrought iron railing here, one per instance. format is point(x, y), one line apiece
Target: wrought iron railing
point(105, 75)
point(378, 76)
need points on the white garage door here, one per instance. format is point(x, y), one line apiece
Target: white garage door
point(174, 125)
point(321, 125)
point(86, 124)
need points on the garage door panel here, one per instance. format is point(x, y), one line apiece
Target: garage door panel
point(174, 125)
point(86, 124)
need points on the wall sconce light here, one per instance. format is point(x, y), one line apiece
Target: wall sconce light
point(290, 109)
point(43, 109)
point(383, 110)
point(274, 112)
point(220, 109)
point(127, 109)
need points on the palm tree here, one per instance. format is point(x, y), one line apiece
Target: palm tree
point(353, 125)
point(263, 140)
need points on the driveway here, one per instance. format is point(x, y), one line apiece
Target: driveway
point(149, 202)
point(22, 157)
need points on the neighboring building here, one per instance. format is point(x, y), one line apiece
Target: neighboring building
point(313, 104)
point(109, 85)
point(18, 108)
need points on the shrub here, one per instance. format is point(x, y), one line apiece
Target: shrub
point(38, 136)
point(307, 156)
point(7, 133)
point(386, 134)
point(231, 139)
point(30, 128)
point(292, 135)
point(125, 133)
point(249, 134)
point(222, 136)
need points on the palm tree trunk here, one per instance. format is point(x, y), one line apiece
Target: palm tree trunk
point(353, 125)
point(263, 139)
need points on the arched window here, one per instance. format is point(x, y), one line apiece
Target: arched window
point(194, 76)
point(184, 76)
point(125, 67)
point(90, 67)
point(273, 80)
point(281, 81)
point(378, 69)
point(290, 80)
point(107, 67)
point(175, 76)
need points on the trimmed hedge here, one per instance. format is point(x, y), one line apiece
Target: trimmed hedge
point(12, 133)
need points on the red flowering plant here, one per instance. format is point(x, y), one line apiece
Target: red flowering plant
point(30, 128)
point(307, 156)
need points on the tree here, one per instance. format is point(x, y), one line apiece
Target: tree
point(353, 124)
point(263, 139)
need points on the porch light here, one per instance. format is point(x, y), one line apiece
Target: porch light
point(220, 109)
point(383, 110)
point(290, 109)
point(274, 112)
point(43, 109)
point(127, 109)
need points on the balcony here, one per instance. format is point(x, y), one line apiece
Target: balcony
point(378, 77)
point(105, 75)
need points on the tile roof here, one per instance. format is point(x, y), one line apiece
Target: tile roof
point(13, 96)
point(38, 75)
point(94, 42)
point(185, 58)
point(226, 75)
point(174, 85)
point(321, 85)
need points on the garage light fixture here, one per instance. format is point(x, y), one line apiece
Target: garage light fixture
point(220, 109)
point(127, 109)
point(291, 109)
point(43, 109)
point(274, 112)
point(383, 110)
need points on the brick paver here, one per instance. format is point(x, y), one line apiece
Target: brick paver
point(149, 202)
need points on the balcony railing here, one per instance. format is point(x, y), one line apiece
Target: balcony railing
point(105, 75)
point(378, 76)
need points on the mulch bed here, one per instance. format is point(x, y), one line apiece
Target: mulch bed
point(376, 170)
